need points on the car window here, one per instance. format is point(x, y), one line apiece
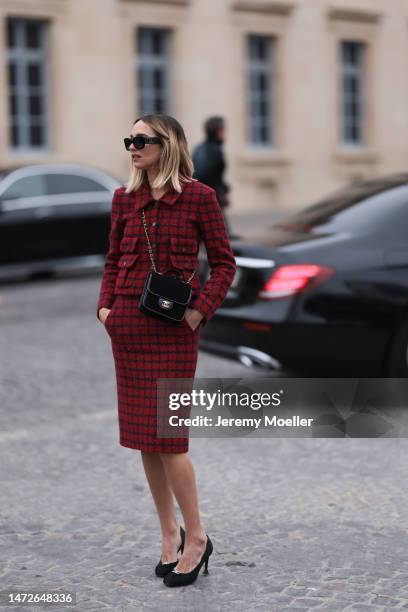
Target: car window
point(71, 183)
point(350, 208)
point(25, 187)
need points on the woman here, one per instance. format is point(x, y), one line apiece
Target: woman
point(179, 213)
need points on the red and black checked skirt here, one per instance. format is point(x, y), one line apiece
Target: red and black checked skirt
point(145, 349)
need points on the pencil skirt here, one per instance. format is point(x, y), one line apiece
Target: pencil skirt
point(144, 349)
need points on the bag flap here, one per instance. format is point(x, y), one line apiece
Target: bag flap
point(169, 287)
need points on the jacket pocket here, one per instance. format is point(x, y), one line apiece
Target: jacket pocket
point(127, 269)
point(128, 244)
point(183, 253)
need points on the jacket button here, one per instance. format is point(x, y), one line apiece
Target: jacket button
point(153, 244)
point(183, 249)
point(154, 223)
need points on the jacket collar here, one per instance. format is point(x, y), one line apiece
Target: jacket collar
point(144, 195)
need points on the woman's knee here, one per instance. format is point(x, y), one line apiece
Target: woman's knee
point(169, 457)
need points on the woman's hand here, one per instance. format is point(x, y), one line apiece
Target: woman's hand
point(193, 317)
point(103, 313)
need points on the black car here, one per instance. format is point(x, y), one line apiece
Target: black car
point(325, 290)
point(53, 216)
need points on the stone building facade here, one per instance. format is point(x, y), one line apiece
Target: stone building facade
point(314, 92)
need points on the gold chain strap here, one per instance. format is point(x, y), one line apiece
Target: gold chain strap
point(151, 250)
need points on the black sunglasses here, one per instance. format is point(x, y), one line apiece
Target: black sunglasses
point(140, 141)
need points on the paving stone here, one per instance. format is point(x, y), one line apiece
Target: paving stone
point(297, 524)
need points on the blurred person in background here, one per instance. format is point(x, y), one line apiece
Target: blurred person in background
point(209, 162)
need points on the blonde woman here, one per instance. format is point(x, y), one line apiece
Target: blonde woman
point(180, 212)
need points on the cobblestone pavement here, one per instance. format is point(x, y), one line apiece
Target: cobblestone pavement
point(297, 524)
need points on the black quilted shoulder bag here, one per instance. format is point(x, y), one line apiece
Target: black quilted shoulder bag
point(164, 296)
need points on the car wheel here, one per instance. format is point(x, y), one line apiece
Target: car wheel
point(397, 360)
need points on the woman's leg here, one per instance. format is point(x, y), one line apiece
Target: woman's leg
point(181, 478)
point(163, 499)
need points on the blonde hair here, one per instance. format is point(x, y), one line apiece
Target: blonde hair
point(175, 164)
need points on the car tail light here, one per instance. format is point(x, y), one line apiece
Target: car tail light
point(292, 279)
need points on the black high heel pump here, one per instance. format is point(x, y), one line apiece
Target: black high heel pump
point(175, 578)
point(164, 568)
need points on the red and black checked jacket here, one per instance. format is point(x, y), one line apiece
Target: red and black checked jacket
point(176, 224)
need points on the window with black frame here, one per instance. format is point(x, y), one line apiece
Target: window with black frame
point(153, 69)
point(352, 92)
point(27, 83)
point(260, 90)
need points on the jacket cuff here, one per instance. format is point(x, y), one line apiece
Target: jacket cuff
point(203, 306)
point(104, 303)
